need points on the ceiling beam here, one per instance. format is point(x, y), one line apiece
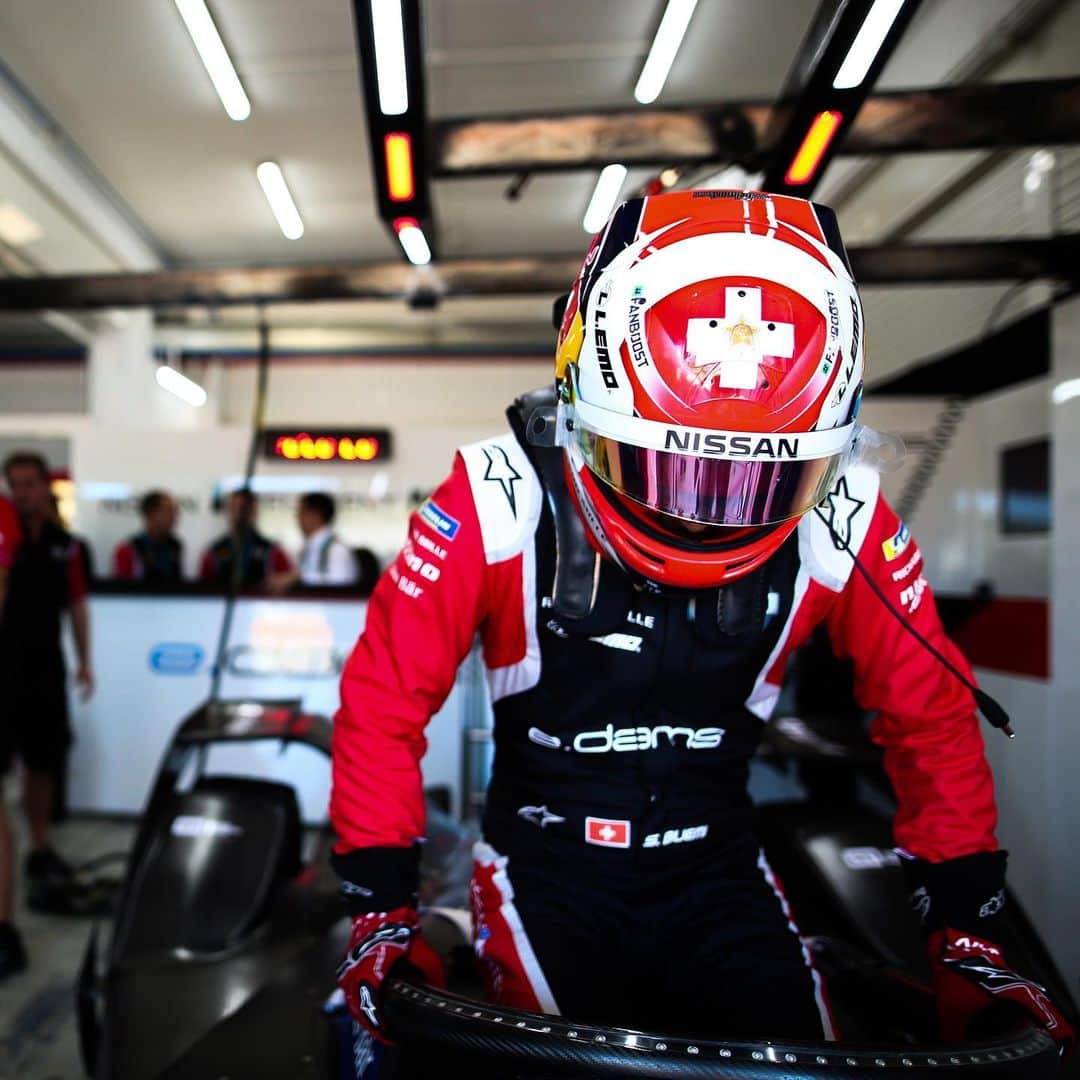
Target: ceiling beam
point(981, 116)
point(1010, 260)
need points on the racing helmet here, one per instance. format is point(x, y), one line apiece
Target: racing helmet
point(709, 368)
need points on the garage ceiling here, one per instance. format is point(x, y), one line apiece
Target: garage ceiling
point(121, 80)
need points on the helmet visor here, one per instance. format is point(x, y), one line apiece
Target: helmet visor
point(714, 491)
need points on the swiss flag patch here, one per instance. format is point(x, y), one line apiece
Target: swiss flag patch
point(607, 833)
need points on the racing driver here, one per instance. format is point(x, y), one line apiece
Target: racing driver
point(640, 554)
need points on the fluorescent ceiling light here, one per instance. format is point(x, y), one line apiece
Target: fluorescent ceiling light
point(168, 378)
point(389, 33)
point(669, 36)
point(16, 228)
point(607, 189)
point(867, 44)
point(1065, 391)
point(280, 199)
point(215, 57)
point(414, 243)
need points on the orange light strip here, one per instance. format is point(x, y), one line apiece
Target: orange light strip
point(399, 167)
point(814, 145)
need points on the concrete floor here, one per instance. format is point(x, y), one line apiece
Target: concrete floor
point(38, 1039)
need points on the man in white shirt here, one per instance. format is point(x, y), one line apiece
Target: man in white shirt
point(324, 559)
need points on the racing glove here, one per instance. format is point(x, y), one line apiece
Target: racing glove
point(959, 902)
point(379, 887)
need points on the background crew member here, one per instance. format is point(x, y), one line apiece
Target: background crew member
point(243, 551)
point(47, 578)
point(155, 555)
point(12, 955)
point(324, 558)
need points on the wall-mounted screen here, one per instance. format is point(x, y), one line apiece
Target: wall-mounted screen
point(1024, 488)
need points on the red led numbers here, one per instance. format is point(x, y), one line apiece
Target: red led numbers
point(326, 446)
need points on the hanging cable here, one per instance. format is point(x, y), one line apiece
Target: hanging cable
point(949, 419)
point(990, 708)
point(262, 379)
point(937, 443)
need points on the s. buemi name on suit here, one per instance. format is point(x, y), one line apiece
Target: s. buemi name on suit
point(723, 445)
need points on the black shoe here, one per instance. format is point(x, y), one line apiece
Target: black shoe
point(46, 865)
point(53, 888)
point(50, 883)
point(12, 953)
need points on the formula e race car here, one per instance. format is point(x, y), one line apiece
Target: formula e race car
point(219, 961)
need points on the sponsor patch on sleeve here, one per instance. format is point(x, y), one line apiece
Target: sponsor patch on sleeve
point(435, 516)
point(896, 545)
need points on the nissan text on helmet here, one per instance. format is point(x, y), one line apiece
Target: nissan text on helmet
point(709, 367)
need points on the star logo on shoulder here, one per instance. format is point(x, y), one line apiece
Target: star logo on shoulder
point(840, 511)
point(501, 471)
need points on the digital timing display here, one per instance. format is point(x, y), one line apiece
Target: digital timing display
point(289, 444)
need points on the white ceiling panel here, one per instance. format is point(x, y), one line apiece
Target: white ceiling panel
point(123, 82)
point(123, 79)
point(490, 57)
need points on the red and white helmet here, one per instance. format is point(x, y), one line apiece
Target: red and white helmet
point(710, 366)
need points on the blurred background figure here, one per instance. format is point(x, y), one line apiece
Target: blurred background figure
point(10, 535)
point(47, 578)
point(83, 552)
point(12, 955)
point(324, 558)
point(154, 556)
point(243, 554)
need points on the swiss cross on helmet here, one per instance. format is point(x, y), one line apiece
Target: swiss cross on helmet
point(710, 365)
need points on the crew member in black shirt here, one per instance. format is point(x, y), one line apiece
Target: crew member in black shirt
point(243, 551)
point(47, 578)
point(154, 556)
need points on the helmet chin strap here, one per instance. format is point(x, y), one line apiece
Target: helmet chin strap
point(576, 582)
point(589, 514)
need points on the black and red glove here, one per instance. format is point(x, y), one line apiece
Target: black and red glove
point(960, 901)
point(379, 889)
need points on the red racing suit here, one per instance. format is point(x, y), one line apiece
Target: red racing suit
point(575, 718)
point(622, 743)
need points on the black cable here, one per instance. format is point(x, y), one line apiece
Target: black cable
point(993, 712)
point(235, 578)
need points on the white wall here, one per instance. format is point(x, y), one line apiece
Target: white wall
point(402, 394)
point(956, 522)
point(956, 526)
point(431, 407)
point(1060, 864)
point(41, 387)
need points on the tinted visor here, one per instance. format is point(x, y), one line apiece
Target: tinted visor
point(714, 491)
